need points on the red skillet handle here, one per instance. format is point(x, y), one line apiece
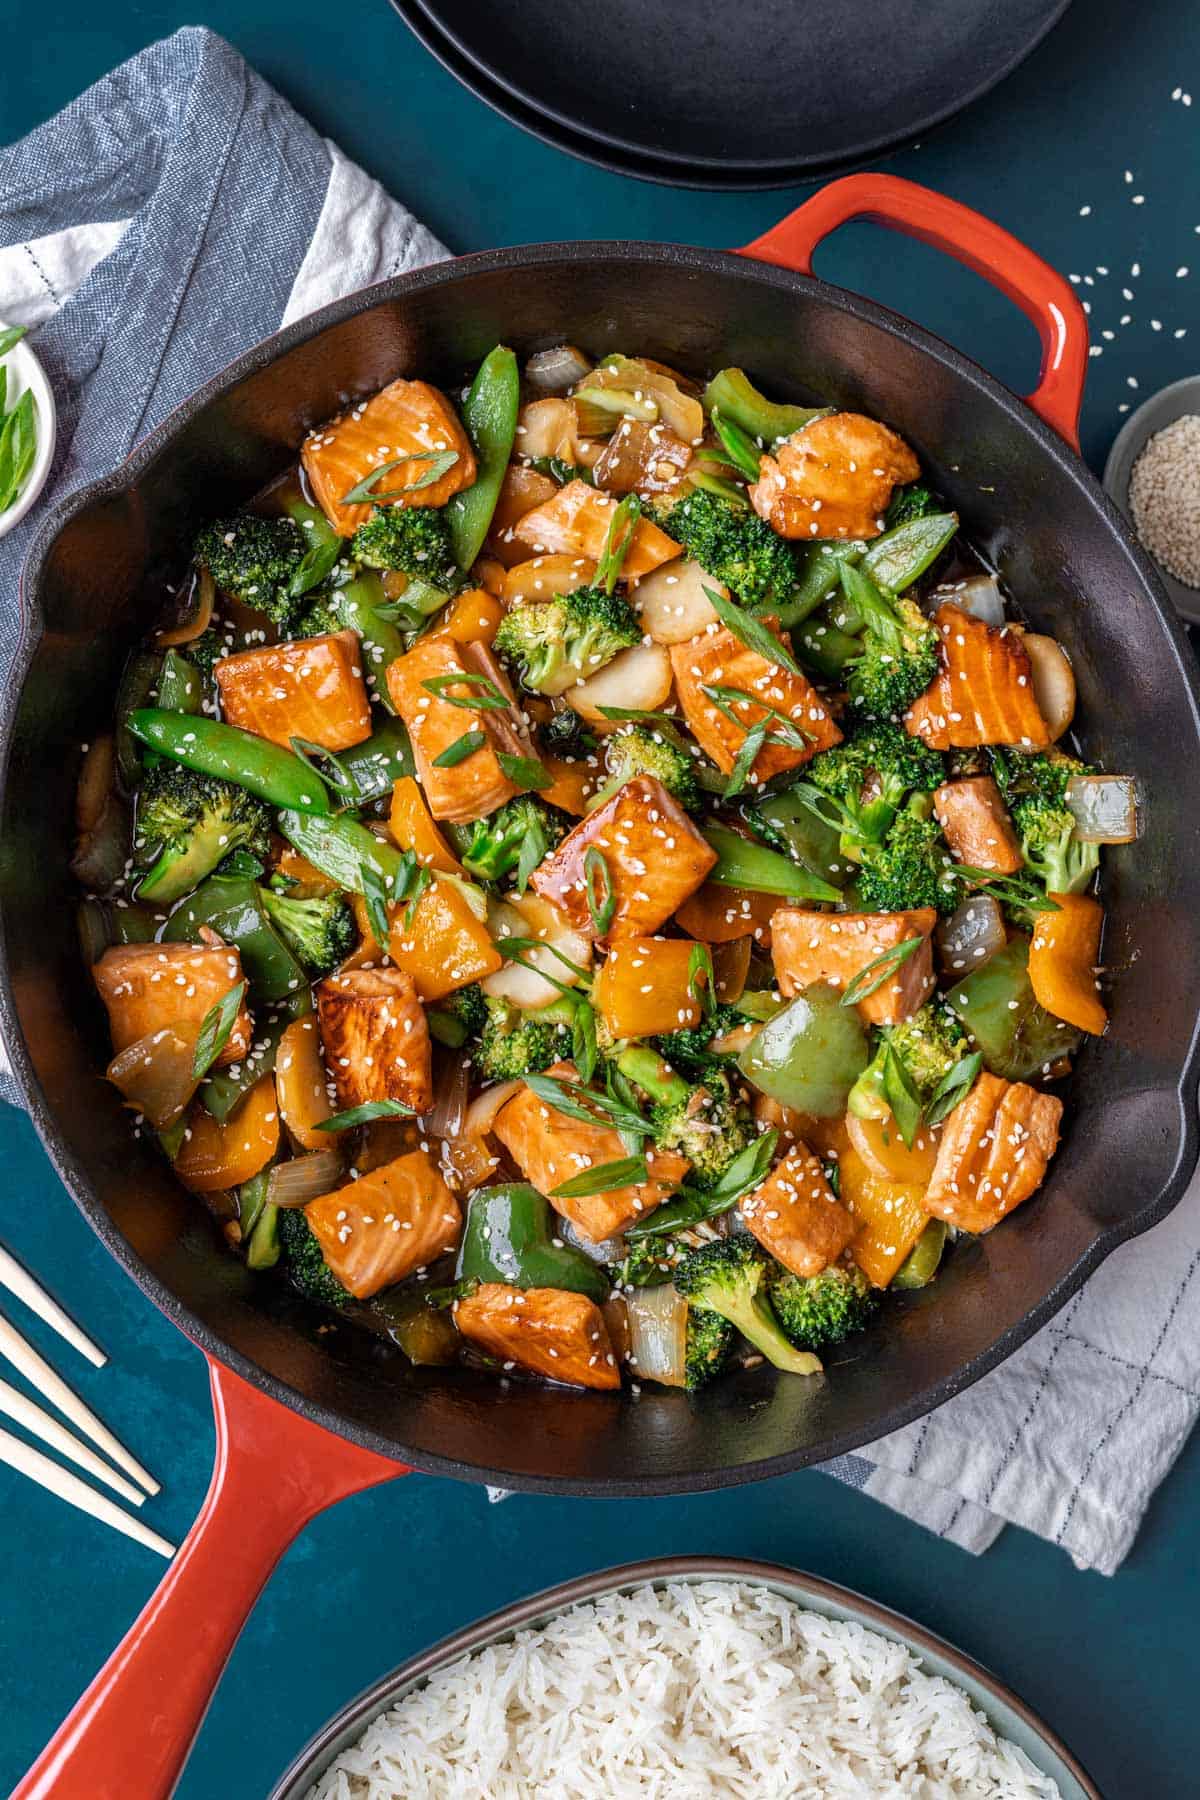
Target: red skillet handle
point(129, 1736)
point(1040, 291)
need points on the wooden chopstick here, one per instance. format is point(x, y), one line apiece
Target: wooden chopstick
point(52, 1387)
point(20, 1282)
point(28, 1461)
point(35, 1419)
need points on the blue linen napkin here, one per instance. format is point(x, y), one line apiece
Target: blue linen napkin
point(132, 236)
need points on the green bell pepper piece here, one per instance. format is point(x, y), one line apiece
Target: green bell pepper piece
point(425, 1333)
point(734, 395)
point(358, 606)
point(382, 760)
point(138, 685)
point(490, 416)
point(744, 864)
point(263, 1246)
point(825, 649)
point(921, 1264)
point(223, 1090)
point(234, 910)
point(996, 1003)
point(812, 841)
point(809, 1055)
point(215, 748)
point(508, 1237)
point(102, 923)
point(180, 685)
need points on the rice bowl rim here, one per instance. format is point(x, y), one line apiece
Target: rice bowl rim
point(1007, 1713)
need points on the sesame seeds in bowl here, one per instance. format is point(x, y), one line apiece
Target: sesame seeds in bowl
point(1153, 476)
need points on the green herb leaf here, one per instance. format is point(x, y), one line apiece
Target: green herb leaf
point(746, 1172)
point(215, 1029)
point(364, 491)
point(313, 755)
point(729, 700)
point(534, 846)
point(744, 453)
point(375, 894)
point(880, 970)
point(525, 772)
point(421, 885)
point(460, 749)
point(618, 542)
point(512, 944)
point(902, 1097)
point(362, 1115)
point(1019, 891)
point(483, 694)
point(12, 334)
point(953, 1087)
point(585, 1049)
point(639, 714)
point(604, 1178)
point(752, 743)
point(752, 632)
point(317, 563)
point(701, 979)
point(586, 1106)
point(598, 889)
point(18, 447)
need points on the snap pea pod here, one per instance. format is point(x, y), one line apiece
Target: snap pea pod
point(824, 649)
point(808, 838)
point(223, 1090)
point(921, 1264)
point(818, 568)
point(896, 559)
point(259, 1222)
point(508, 1237)
point(375, 765)
point(234, 910)
point(358, 606)
point(901, 556)
point(139, 681)
point(743, 864)
point(734, 395)
point(215, 748)
point(180, 685)
point(490, 416)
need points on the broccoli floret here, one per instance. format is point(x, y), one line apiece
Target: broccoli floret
point(565, 734)
point(218, 641)
point(319, 617)
point(709, 1341)
point(648, 1262)
point(255, 560)
point(704, 1122)
point(910, 868)
point(1051, 849)
point(912, 502)
point(193, 822)
point(304, 1262)
point(458, 1016)
point(691, 1052)
point(517, 837)
point(928, 1045)
point(413, 539)
point(1046, 773)
point(870, 775)
point(515, 1043)
point(552, 644)
point(730, 1276)
point(321, 931)
point(900, 650)
point(822, 1309)
point(642, 750)
point(735, 547)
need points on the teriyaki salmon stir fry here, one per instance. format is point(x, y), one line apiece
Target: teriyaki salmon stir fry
point(589, 878)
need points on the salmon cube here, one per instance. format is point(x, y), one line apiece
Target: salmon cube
point(475, 786)
point(158, 987)
point(796, 1216)
point(546, 1330)
point(649, 985)
point(648, 858)
point(808, 947)
point(833, 478)
point(377, 1230)
point(718, 659)
point(375, 1038)
point(312, 689)
point(408, 423)
point(973, 816)
point(550, 1149)
point(576, 521)
point(994, 1152)
point(984, 692)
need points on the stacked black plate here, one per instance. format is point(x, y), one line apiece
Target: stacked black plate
point(729, 93)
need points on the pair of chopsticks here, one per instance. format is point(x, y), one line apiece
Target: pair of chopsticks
point(41, 1468)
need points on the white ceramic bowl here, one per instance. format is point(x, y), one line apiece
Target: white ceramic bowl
point(26, 372)
point(1160, 410)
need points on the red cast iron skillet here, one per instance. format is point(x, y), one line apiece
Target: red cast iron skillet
point(285, 1382)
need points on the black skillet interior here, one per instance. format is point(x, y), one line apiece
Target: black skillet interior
point(1033, 510)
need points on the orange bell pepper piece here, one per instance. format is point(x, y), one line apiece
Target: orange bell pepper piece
point(1063, 954)
point(446, 946)
point(215, 1155)
point(412, 827)
point(645, 987)
point(888, 1214)
point(472, 617)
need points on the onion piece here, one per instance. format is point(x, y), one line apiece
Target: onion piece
point(549, 428)
point(658, 1334)
point(638, 678)
point(529, 916)
point(484, 1109)
point(203, 599)
point(305, 1178)
point(978, 595)
point(553, 371)
point(155, 1075)
point(1053, 681)
point(973, 933)
point(446, 1116)
point(1105, 808)
point(652, 385)
point(672, 604)
point(731, 965)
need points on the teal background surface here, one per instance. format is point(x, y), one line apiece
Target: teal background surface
point(1109, 1662)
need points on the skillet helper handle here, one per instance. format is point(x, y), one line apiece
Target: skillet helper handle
point(1040, 291)
point(131, 1732)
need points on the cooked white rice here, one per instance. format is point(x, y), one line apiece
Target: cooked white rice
point(680, 1692)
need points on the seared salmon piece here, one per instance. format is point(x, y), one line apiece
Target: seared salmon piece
point(796, 1216)
point(550, 1149)
point(718, 659)
point(155, 987)
point(312, 688)
point(475, 786)
point(995, 1148)
point(808, 947)
point(556, 1334)
point(408, 423)
point(833, 478)
point(984, 692)
point(375, 1038)
point(973, 816)
point(577, 520)
point(648, 859)
point(397, 1218)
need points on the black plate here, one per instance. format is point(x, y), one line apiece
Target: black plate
point(714, 95)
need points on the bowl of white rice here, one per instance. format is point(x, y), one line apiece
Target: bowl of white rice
point(684, 1679)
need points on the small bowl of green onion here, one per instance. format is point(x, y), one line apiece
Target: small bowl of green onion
point(27, 426)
